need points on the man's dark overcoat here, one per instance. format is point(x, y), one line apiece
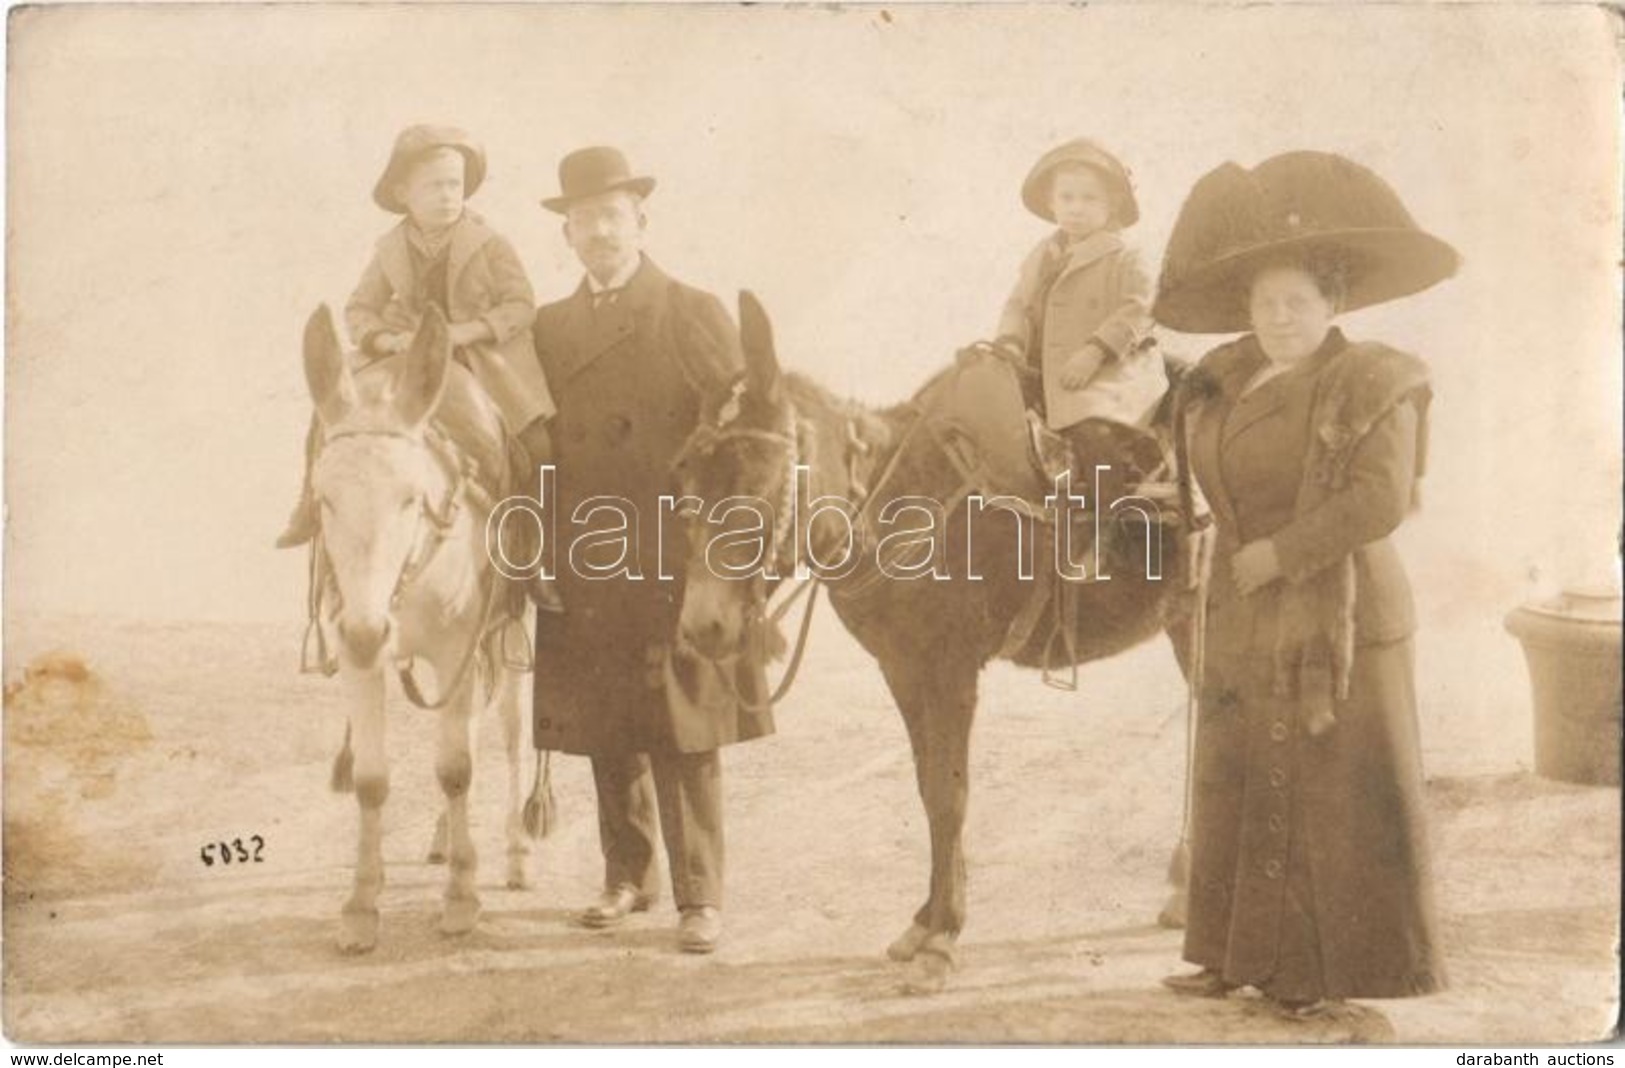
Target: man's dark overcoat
point(628, 377)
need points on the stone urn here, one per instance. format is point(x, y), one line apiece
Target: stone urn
point(1572, 644)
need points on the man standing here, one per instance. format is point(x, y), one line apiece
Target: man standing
point(629, 357)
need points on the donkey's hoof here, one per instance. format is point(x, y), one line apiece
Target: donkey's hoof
point(437, 845)
point(358, 932)
point(908, 943)
point(518, 878)
point(460, 916)
point(927, 973)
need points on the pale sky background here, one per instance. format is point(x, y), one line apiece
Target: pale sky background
point(186, 183)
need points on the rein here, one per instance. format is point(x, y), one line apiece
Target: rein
point(705, 441)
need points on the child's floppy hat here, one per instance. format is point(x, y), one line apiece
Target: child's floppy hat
point(411, 145)
point(1035, 190)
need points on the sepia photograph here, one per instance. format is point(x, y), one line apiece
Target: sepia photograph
point(879, 524)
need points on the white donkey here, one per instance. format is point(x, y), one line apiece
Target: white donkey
point(412, 463)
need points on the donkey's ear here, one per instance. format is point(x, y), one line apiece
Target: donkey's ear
point(326, 374)
point(423, 376)
point(756, 338)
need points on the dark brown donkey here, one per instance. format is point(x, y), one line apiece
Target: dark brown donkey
point(931, 637)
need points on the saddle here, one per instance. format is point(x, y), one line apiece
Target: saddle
point(977, 413)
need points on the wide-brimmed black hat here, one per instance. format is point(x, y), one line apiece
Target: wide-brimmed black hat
point(588, 172)
point(1314, 207)
point(411, 145)
point(1035, 190)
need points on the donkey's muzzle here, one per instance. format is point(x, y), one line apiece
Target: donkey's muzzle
point(710, 623)
point(709, 638)
point(364, 640)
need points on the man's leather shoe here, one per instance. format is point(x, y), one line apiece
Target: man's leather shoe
point(1206, 983)
point(614, 906)
point(699, 929)
point(1312, 1009)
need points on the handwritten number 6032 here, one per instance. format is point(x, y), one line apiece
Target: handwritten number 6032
point(233, 852)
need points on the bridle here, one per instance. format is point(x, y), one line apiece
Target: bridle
point(435, 520)
point(786, 547)
point(709, 437)
point(434, 523)
point(793, 431)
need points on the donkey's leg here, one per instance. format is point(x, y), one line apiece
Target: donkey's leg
point(359, 924)
point(902, 678)
point(454, 767)
point(508, 707)
point(949, 711)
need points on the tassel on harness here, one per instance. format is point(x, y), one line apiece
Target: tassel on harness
point(541, 814)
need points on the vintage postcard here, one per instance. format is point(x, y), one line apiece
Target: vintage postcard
point(710, 524)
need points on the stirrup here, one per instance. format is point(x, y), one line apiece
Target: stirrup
point(544, 595)
point(514, 630)
point(1051, 454)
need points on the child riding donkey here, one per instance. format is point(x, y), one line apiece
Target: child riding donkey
point(1077, 330)
point(441, 253)
point(1077, 324)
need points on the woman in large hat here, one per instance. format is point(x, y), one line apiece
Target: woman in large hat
point(1309, 866)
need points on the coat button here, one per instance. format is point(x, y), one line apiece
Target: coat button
point(545, 724)
point(1277, 778)
point(1278, 731)
point(1273, 869)
point(1277, 824)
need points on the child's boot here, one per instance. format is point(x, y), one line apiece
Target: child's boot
point(305, 520)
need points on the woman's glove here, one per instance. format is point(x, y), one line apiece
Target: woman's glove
point(1255, 566)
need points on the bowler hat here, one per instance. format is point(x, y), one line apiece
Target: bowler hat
point(411, 145)
point(588, 172)
point(1035, 190)
point(1307, 206)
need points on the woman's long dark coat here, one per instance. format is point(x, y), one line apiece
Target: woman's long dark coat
point(1309, 855)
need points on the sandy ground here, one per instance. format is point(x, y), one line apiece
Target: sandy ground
point(186, 734)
